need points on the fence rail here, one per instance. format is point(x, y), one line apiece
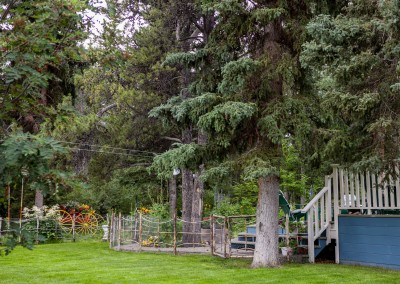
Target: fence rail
point(141, 233)
point(51, 229)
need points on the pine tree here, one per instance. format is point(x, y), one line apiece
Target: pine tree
point(249, 93)
point(354, 55)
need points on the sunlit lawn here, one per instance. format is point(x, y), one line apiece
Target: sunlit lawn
point(95, 263)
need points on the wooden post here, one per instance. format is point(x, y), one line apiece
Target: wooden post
point(310, 220)
point(335, 210)
point(134, 236)
point(110, 231)
point(212, 241)
point(175, 233)
point(140, 231)
point(224, 236)
point(73, 227)
point(21, 205)
point(368, 185)
point(329, 208)
point(9, 205)
point(37, 229)
point(119, 230)
point(287, 229)
point(229, 237)
point(158, 231)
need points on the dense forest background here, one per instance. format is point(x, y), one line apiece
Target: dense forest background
point(197, 106)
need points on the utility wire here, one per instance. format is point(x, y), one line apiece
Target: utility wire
point(105, 146)
point(107, 152)
point(137, 153)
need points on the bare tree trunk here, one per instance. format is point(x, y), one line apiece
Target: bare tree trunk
point(172, 196)
point(266, 252)
point(187, 198)
point(197, 206)
point(39, 199)
point(198, 190)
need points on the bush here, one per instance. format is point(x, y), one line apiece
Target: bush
point(45, 222)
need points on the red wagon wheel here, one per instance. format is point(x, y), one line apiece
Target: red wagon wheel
point(82, 223)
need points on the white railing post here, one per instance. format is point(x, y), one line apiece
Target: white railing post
point(336, 208)
point(329, 208)
point(310, 221)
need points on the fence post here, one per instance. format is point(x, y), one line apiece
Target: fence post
point(229, 237)
point(110, 232)
point(73, 227)
point(140, 231)
point(119, 230)
point(287, 229)
point(1, 224)
point(136, 238)
point(37, 229)
point(336, 209)
point(212, 243)
point(174, 232)
point(225, 236)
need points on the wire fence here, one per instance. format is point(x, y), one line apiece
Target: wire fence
point(56, 228)
point(212, 235)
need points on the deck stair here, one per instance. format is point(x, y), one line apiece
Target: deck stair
point(246, 240)
point(345, 192)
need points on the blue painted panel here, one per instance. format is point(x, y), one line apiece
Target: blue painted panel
point(321, 245)
point(251, 230)
point(362, 230)
point(370, 240)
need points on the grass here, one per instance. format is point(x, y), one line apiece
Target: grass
point(94, 263)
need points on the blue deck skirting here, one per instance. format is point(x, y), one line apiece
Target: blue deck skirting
point(372, 240)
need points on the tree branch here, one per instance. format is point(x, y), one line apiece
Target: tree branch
point(105, 109)
point(172, 139)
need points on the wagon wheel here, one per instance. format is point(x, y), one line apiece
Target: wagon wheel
point(87, 223)
point(65, 220)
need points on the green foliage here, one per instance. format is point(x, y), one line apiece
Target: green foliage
point(16, 237)
point(39, 46)
point(257, 167)
point(184, 156)
point(354, 57)
point(160, 211)
point(225, 118)
point(235, 75)
point(186, 59)
point(226, 208)
point(23, 151)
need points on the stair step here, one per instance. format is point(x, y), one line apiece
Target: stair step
point(237, 244)
point(244, 234)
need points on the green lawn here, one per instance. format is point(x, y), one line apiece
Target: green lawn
point(95, 263)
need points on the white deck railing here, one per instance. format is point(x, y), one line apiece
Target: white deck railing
point(362, 192)
point(319, 216)
point(367, 191)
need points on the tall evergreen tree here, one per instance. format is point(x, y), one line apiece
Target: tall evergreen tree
point(248, 94)
point(355, 55)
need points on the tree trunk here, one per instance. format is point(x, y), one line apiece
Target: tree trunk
point(197, 206)
point(266, 252)
point(172, 196)
point(187, 198)
point(198, 190)
point(39, 199)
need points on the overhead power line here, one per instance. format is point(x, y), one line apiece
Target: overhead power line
point(129, 152)
point(105, 146)
point(107, 152)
